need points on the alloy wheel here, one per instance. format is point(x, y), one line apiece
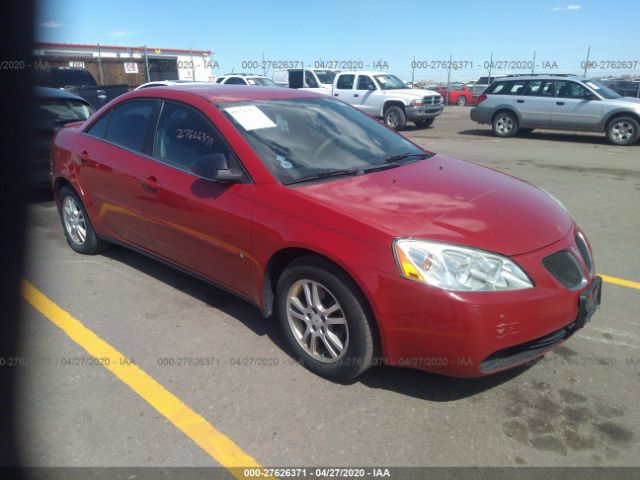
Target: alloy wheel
point(317, 321)
point(74, 221)
point(504, 125)
point(622, 131)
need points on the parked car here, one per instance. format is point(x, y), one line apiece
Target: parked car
point(246, 79)
point(625, 88)
point(560, 102)
point(80, 82)
point(313, 79)
point(457, 93)
point(52, 109)
point(385, 96)
point(365, 246)
point(170, 83)
point(482, 83)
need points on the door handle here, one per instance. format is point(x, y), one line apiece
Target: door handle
point(520, 101)
point(84, 156)
point(335, 95)
point(559, 103)
point(356, 95)
point(150, 184)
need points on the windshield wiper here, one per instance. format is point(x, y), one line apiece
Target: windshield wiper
point(326, 173)
point(395, 160)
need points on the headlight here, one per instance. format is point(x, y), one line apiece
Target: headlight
point(457, 268)
point(416, 103)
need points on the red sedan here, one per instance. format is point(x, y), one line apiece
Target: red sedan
point(366, 247)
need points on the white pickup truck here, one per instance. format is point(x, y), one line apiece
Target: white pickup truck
point(385, 96)
point(313, 79)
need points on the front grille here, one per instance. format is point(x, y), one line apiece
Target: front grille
point(565, 268)
point(431, 100)
point(584, 251)
point(526, 351)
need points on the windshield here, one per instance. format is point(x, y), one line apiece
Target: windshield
point(602, 89)
point(296, 138)
point(52, 112)
point(261, 81)
point(390, 82)
point(325, 76)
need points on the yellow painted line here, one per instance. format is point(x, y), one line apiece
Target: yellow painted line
point(620, 281)
point(220, 447)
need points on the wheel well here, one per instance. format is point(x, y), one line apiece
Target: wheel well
point(59, 183)
point(392, 103)
point(633, 115)
point(502, 110)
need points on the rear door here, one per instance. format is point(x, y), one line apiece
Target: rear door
point(198, 224)
point(536, 103)
point(344, 88)
point(112, 157)
point(575, 107)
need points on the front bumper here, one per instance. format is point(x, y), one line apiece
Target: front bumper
point(424, 112)
point(468, 334)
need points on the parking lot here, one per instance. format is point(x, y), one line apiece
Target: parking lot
point(578, 406)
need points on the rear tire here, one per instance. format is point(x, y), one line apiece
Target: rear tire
point(76, 225)
point(462, 101)
point(425, 123)
point(394, 117)
point(325, 319)
point(623, 131)
point(504, 125)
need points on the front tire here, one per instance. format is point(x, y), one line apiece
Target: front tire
point(76, 225)
point(505, 125)
point(623, 131)
point(394, 117)
point(325, 319)
point(425, 123)
point(462, 101)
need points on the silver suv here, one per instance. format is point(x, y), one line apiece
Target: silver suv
point(520, 103)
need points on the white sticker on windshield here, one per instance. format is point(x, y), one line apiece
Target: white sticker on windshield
point(250, 117)
point(593, 85)
point(381, 80)
point(284, 163)
point(251, 82)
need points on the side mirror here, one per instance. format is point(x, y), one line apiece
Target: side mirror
point(372, 87)
point(215, 167)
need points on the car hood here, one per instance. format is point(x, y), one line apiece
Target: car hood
point(448, 200)
point(412, 92)
point(625, 101)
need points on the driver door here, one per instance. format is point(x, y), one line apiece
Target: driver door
point(198, 224)
point(366, 95)
point(575, 107)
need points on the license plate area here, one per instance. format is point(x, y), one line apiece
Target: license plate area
point(589, 302)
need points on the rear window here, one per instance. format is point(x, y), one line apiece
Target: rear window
point(511, 87)
point(62, 77)
point(56, 112)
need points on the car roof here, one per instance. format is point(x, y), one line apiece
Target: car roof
point(47, 92)
point(543, 76)
point(362, 72)
point(217, 93)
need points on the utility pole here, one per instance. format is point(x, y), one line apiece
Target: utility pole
point(490, 66)
point(413, 70)
point(193, 65)
point(146, 64)
point(448, 79)
point(586, 64)
point(533, 65)
point(100, 66)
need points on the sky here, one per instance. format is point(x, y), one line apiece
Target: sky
point(370, 32)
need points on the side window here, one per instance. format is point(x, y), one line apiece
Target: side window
point(220, 80)
point(129, 124)
point(365, 83)
point(235, 81)
point(513, 87)
point(566, 89)
point(310, 80)
point(99, 128)
point(539, 88)
point(185, 134)
point(345, 82)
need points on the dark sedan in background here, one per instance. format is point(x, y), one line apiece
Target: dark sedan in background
point(52, 109)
